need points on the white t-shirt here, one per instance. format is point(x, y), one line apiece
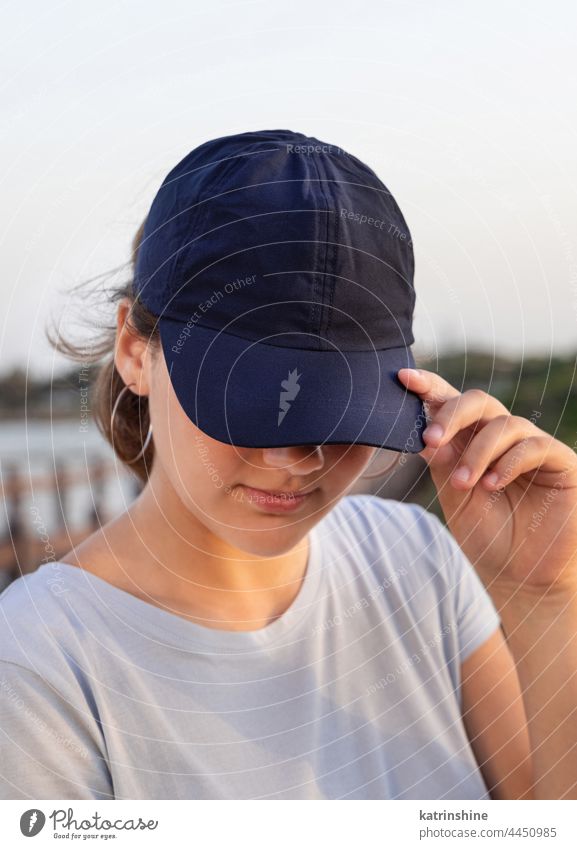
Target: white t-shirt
point(353, 693)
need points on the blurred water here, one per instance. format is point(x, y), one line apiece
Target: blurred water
point(36, 448)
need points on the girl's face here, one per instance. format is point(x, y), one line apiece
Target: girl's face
point(220, 483)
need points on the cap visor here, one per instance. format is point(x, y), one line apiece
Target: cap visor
point(256, 395)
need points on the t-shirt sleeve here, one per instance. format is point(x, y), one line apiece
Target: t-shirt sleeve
point(48, 748)
point(476, 616)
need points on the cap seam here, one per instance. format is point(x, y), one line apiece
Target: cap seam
point(336, 238)
point(219, 330)
point(201, 210)
point(177, 258)
point(321, 259)
point(196, 224)
point(331, 252)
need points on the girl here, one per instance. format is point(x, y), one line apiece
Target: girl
point(247, 629)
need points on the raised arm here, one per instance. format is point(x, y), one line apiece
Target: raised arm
point(519, 530)
point(542, 637)
point(495, 720)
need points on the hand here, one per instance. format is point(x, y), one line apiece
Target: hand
point(522, 529)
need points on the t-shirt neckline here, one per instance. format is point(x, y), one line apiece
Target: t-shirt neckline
point(146, 618)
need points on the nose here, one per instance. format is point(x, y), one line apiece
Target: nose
point(299, 459)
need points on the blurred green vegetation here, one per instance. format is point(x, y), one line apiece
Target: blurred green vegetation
point(532, 384)
point(526, 386)
point(58, 397)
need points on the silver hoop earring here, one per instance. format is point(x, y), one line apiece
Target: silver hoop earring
point(148, 435)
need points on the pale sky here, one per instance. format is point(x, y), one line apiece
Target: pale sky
point(466, 110)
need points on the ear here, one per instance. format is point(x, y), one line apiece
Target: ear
point(132, 354)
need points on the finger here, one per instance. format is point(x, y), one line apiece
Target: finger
point(524, 456)
point(488, 446)
point(473, 407)
point(429, 386)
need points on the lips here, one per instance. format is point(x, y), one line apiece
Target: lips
point(287, 493)
point(283, 501)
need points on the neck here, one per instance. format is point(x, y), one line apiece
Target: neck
point(171, 558)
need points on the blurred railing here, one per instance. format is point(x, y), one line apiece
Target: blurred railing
point(37, 525)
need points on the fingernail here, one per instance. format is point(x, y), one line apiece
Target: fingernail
point(462, 473)
point(433, 431)
point(492, 478)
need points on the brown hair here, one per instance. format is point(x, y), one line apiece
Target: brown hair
point(131, 420)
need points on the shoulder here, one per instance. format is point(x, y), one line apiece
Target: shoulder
point(53, 743)
point(405, 530)
point(420, 567)
point(366, 509)
point(406, 541)
point(39, 616)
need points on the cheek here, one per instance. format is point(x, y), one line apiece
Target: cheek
point(351, 460)
point(195, 464)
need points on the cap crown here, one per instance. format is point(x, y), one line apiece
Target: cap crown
point(279, 237)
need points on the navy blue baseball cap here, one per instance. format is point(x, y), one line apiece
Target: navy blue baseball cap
point(281, 271)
